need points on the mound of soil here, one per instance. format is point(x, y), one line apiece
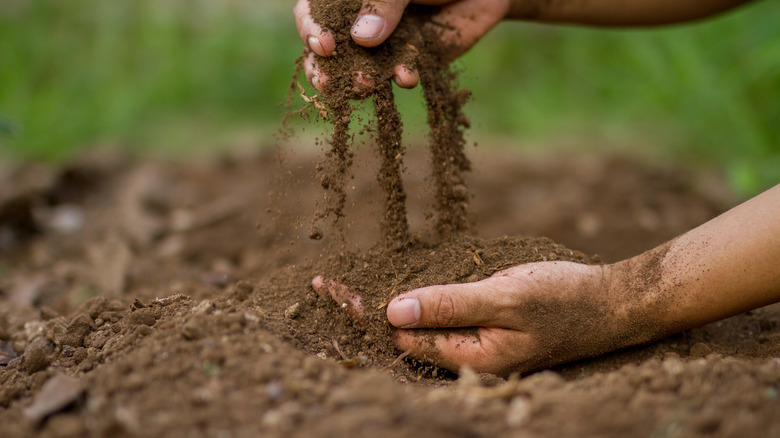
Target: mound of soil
point(148, 298)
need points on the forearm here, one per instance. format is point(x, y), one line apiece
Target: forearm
point(724, 267)
point(618, 12)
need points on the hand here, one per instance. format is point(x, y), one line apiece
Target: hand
point(466, 22)
point(527, 317)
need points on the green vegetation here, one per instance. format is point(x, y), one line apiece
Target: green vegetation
point(185, 74)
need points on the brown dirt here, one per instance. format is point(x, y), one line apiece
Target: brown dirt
point(414, 44)
point(177, 297)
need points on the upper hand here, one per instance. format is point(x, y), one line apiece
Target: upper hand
point(467, 21)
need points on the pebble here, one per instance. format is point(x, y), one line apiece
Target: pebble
point(293, 311)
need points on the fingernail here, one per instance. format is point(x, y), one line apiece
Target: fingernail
point(404, 312)
point(315, 46)
point(368, 26)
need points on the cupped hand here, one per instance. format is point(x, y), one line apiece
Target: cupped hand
point(461, 23)
point(526, 318)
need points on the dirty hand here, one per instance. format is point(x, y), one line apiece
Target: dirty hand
point(467, 21)
point(527, 317)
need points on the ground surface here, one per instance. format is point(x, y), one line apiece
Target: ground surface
point(147, 298)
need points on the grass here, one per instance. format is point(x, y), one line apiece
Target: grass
point(180, 75)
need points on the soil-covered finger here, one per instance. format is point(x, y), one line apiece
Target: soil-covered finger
point(489, 302)
point(346, 299)
point(485, 350)
point(316, 78)
point(376, 20)
point(314, 37)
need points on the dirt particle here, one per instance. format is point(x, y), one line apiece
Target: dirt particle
point(144, 316)
point(315, 233)
point(244, 290)
point(192, 331)
point(700, 349)
point(37, 356)
point(293, 311)
point(205, 307)
point(76, 331)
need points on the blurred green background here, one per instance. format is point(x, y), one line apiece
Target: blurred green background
point(184, 75)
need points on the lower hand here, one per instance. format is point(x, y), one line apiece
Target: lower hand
point(527, 317)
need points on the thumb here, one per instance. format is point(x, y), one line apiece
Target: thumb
point(479, 304)
point(376, 20)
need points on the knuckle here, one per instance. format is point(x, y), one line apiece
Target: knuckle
point(444, 311)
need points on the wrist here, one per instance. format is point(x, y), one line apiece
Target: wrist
point(643, 312)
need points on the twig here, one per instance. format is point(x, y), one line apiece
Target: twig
point(397, 360)
point(476, 257)
point(336, 346)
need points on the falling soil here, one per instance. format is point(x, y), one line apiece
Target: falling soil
point(415, 45)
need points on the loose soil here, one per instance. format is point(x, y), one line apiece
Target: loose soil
point(151, 298)
point(415, 45)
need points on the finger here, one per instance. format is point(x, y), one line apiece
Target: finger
point(405, 77)
point(461, 24)
point(362, 84)
point(493, 351)
point(484, 303)
point(346, 299)
point(314, 75)
point(314, 37)
point(376, 20)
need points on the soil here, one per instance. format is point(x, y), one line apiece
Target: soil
point(356, 72)
point(154, 298)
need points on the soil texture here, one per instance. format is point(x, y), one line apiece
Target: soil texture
point(152, 298)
